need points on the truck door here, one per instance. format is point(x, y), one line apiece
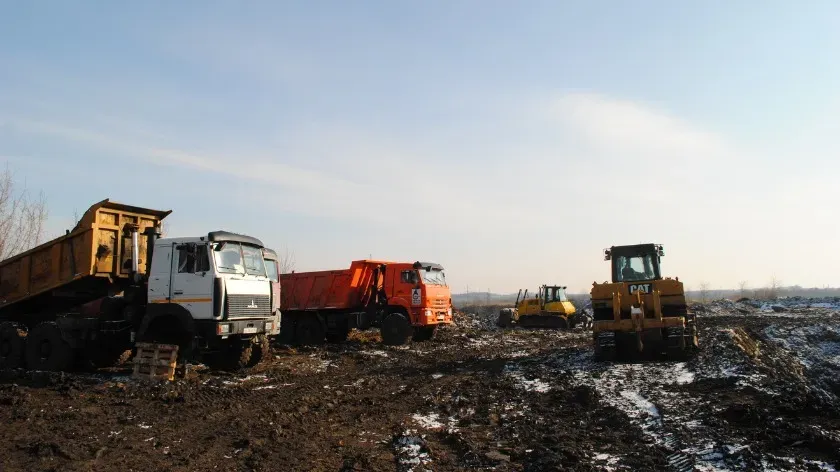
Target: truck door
point(408, 289)
point(192, 282)
point(160, 278)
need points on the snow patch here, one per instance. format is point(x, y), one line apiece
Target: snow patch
point(430, 421)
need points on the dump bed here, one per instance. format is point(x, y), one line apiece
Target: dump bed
point(333, 289)
point(92, 261)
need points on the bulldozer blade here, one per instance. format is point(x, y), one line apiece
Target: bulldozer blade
point(543, 321)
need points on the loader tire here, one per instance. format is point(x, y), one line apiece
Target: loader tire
point(395, 330)
point(12, 346)
point(424, 333)
point(47, 350)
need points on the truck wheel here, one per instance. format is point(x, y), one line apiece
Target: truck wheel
point(310, 331)
point(288, 327)
point(338, 334)
point(12, 344)
point(47, 350)
point(395, 329)
point(424, 333)
point(260, 350)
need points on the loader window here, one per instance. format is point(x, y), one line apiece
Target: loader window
point(636, 268)
point(556, 294)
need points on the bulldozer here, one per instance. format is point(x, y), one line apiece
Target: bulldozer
point(640, 311)
point(550, 308)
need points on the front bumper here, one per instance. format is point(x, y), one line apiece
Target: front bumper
point(240, 328)
point(432, 316)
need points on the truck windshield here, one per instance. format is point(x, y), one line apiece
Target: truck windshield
point(635, 268)
point(254, 263)
point(271, 268)
point(433, 277)
point(234, 258)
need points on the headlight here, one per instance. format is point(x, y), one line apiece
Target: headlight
point(449, 311)
point(429, 313)
point(269, 326)
point(223, 329)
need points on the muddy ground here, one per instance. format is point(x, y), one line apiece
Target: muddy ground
point(761, 395)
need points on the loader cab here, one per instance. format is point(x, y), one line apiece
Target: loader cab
point(636, 263)
point(553, 293)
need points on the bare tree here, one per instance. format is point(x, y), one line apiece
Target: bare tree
point(742, 287)
point(286, 261)
point(704, 292)
point(774, 288)
point(22, 217)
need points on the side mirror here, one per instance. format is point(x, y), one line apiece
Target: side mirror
point(607, 254)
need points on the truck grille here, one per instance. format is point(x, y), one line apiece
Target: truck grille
point(248, 306)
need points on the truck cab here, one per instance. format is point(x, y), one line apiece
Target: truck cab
point(421, 288)
point(215, 286)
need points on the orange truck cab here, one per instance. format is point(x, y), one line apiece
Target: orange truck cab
point(404, 300)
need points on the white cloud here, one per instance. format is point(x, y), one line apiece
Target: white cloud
point(591, 171)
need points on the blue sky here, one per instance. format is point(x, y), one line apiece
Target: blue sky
point(509, 141)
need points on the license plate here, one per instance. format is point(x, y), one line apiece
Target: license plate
point(249, 330)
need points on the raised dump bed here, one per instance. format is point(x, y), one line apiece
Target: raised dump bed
point(92, 261)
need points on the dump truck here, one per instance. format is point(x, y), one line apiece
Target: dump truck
point(640, 311)
point(404, 300)
point(549, 308)
point(113, 281)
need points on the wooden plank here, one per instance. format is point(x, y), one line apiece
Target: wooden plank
point(155, 361)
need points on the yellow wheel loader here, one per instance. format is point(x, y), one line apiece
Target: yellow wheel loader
point(640, 311)
point(550, 308)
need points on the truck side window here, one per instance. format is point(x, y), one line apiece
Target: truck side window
point(408, 277)
point(202, 260)
point(186, 260)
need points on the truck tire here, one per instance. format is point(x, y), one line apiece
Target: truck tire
point(338, 334)
point(260, 350)
point(47, 350)
point(424, 333)
point(288, 326)
point(310, 331)
point(395, 330)
point(12, 346)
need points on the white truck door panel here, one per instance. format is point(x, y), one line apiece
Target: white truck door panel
point(159, 280)
point(192, 281)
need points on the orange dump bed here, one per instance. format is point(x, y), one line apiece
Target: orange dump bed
point(82, 265)
point(332, 289)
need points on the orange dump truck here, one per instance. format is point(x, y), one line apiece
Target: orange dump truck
point(403, 299)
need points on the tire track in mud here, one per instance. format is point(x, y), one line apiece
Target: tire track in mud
point(630, 388)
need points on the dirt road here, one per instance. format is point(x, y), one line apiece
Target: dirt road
point(761, 395)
